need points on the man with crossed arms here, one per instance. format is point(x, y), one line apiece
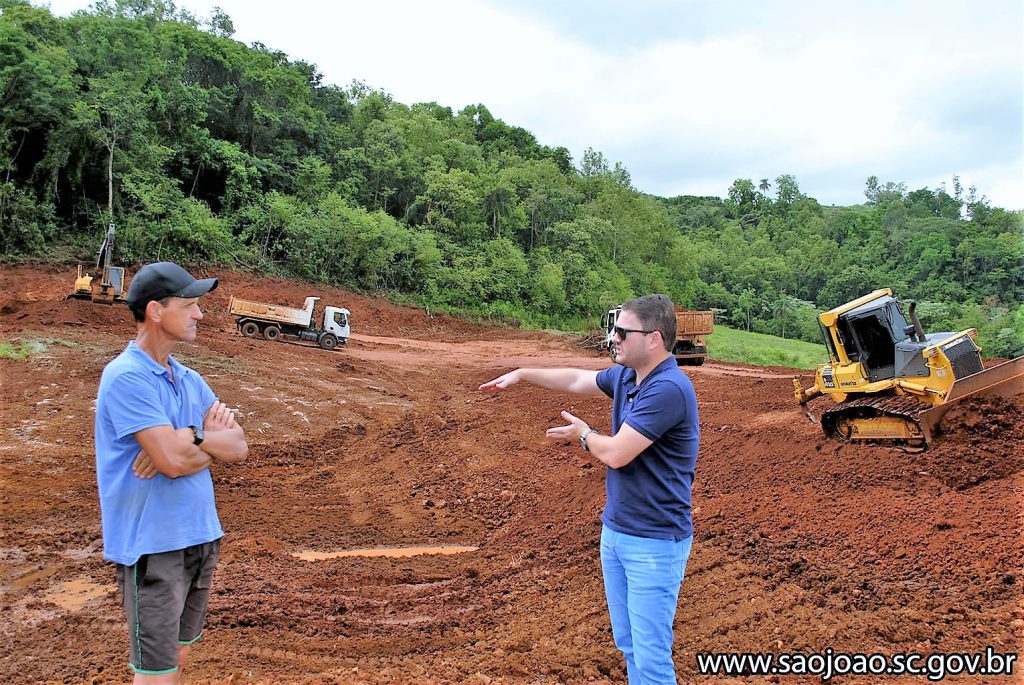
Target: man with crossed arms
point(159, 427)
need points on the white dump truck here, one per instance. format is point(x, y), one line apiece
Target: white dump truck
point(274, 322)
point(692, 327)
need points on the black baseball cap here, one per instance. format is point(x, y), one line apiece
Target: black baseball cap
point(165, 279)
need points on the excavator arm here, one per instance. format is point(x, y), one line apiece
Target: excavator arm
point(106, 283)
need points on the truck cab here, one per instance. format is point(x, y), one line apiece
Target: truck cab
point(608, 323)
point(336, 322)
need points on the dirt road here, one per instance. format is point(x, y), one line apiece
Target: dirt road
point(802, 544)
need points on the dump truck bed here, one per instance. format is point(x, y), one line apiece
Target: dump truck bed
point(269, 312)
point(690, 323)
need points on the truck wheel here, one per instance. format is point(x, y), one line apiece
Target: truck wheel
point(328, 341)
point(250, 329)
point(272, 333)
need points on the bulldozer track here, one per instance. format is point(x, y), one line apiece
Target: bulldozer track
point(907, 408)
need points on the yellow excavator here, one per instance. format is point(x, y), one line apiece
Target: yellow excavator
point(893, 383)
point(105, 283)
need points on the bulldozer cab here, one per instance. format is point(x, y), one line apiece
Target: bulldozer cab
point(869, 335)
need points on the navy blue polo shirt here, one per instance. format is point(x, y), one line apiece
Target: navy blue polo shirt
point(650, 496)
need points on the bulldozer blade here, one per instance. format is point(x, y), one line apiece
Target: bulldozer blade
point(1006, 380)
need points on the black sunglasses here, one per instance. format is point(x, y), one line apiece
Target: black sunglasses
point(623, 332)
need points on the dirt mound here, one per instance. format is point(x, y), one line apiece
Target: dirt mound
point(980, 440)
point(802, 544)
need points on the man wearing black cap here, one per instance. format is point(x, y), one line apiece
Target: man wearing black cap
point(159, 426)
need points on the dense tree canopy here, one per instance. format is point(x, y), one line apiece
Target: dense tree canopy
point(202, 149)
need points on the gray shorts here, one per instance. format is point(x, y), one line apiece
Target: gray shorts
point(165, 597)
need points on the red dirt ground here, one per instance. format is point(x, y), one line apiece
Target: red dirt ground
point(802, 544)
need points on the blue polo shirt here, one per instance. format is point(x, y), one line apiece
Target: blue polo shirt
point(158, 514)
point(650, 496)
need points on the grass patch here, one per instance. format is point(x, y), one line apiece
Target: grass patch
point(758, 349)
point(22, 348)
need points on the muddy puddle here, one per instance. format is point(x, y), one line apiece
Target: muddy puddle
point(394, 552)
point(74, 594)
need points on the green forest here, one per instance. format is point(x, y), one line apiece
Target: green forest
point(208, 151)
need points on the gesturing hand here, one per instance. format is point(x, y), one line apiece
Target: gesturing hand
point(501, 382)
point(572, 431)
point(219, 417)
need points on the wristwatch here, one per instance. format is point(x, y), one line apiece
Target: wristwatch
point(197, 436)
point(583, 438)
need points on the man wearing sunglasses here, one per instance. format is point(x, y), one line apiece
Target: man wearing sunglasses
point(651, 455)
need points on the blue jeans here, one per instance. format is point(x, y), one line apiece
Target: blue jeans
point(641, 581)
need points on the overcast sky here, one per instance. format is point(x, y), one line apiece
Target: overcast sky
point(692, 94)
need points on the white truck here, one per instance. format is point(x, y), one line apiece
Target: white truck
point(692, 327)
point(274, 322)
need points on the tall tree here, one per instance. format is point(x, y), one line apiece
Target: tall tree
point(113, 112)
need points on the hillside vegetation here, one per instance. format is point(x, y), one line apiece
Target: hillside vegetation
point(733, 345)
point(205, 150)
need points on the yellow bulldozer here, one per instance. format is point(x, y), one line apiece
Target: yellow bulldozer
point(893, 383)
point(105, 283)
